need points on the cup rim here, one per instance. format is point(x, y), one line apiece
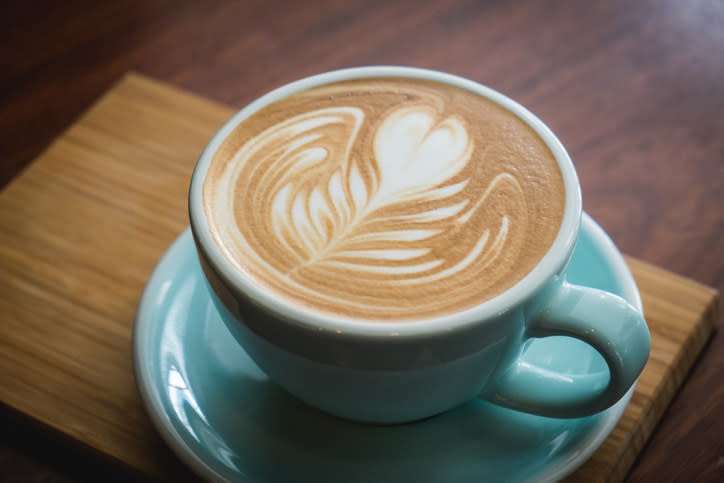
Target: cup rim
point(552, 263)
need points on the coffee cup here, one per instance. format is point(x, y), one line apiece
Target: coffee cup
point(385, 241)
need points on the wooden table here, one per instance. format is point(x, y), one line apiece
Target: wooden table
point(633, 89)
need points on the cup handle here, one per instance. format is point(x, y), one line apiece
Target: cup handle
point(605, 321)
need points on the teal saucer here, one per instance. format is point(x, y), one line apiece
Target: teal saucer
point(226, 420)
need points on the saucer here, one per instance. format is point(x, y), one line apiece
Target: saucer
point(227, 421)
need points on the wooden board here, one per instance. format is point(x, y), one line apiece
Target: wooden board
point(82, 228)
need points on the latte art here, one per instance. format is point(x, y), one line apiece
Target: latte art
point(384, 199)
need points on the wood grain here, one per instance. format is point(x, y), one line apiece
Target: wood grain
point(86, 223)
point(633, 89)
point(83, 227)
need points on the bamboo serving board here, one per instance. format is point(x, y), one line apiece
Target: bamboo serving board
point(82, 228)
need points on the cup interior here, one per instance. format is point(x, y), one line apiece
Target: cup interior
point(551, 264)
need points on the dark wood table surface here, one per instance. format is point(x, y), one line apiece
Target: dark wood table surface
point(634, 90)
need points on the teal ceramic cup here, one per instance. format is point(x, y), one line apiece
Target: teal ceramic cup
point(404, 371)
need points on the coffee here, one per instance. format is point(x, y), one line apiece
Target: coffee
point(387, 199)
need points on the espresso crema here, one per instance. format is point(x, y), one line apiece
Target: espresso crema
point(384, 199)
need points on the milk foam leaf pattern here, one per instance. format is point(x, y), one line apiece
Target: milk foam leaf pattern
point(334, 211)
point(383, 200)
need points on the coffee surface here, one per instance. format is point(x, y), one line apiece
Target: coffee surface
point(384, 199)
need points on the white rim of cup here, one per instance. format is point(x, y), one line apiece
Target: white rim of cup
point(551, 263)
